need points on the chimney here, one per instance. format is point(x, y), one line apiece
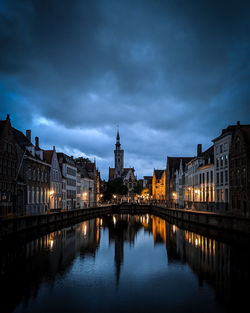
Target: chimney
point(28, 134)
point(238, 123)
point(199, 149)
point(37, 142)
point(54, 148)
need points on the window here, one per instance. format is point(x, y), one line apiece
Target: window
point(222, 195)
point(212, 178)
point(221, 178)
point(226, 177)
point(218, 195)
point(221, 161)
point(218, 179)
point(207, 177)
point(244, 176)
point(226, 160)
point(221, 146)
point(217, 162)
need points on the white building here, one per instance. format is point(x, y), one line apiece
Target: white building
point(55, 193)
point(198, 190)
point(221, 163)
point(68, 169)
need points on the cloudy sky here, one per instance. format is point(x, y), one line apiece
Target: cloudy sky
point(171, 73)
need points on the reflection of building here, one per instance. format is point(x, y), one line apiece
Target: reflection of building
point(158, 229)
point(209, 259)
point(159, 185)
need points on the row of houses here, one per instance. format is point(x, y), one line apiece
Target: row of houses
point(34, 180)
point(217, 179)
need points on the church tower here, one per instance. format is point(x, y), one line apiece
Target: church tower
point(119, 157)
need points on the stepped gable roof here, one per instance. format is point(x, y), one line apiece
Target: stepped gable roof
point(47, 155)
point(158, 173)
point(173, 163)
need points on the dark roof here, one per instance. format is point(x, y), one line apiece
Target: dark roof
point(2, 124)
point(65, 158)
point(246, 132)
point(148, 177)
point(21, 139)
point(231, 129)
point(209, 152)
point(47, 155)
point(173, 163)
point(158, 173)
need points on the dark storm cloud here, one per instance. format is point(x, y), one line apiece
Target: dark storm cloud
point(171, 73)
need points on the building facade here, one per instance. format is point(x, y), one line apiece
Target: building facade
point(33, 175)
point(55, 193)
point(126, 174)
point(159, 185)
point(222, 146)
point(239, 171)
point(199, 181)
point(69, 171)
point(8, 169)
point(173, 164)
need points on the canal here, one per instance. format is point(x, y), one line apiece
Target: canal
point(124, 263)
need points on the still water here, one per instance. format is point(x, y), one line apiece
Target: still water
point(124, 263)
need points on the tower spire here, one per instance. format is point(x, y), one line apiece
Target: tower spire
point(118, 135)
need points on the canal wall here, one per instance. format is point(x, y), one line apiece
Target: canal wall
point(30, 222)
point(48, 222)
point(209, 219)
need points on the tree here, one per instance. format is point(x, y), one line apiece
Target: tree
point(115, 187)
point(138, 188)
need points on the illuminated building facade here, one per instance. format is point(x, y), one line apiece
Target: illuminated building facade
point(159, 185)
point(173, 164)
point(199, 181)
point(55, 192)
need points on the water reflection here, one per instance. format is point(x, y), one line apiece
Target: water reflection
point(31, 269)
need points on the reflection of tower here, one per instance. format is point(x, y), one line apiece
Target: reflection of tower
point(119, 157)
point(119, 250)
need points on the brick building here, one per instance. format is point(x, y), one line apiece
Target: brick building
point(8, 167)
point(239, 170)
point(32, 176)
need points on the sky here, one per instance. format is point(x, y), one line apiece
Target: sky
point(170, 73)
